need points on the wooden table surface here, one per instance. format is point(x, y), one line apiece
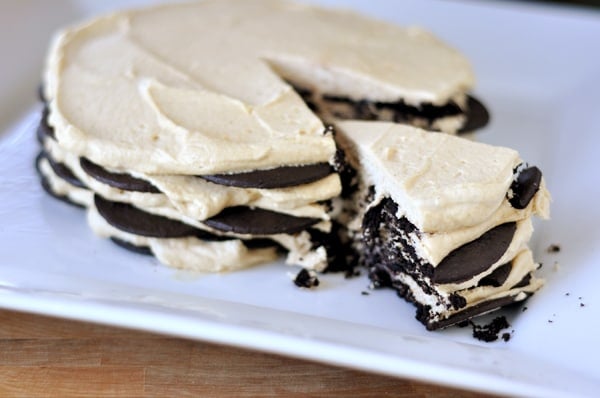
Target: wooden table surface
point(42, 357)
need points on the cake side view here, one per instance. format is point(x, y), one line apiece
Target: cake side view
point(285, 127)
point(443, 220)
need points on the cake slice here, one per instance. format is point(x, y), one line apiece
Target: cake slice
point(444, 220)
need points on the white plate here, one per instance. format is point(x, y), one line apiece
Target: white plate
point(538, 71)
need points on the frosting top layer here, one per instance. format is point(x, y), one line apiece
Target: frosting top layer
point(199, 88)
point(440, 182)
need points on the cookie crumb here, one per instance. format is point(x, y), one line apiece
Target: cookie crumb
point(581, 305)
point(463, 324)
point(506, 336)
point(553, 248)
point(489, 332)
point(307, 279)
point(524, 309)
point(364, 293)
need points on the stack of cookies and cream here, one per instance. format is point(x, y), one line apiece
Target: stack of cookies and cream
point(219, 134)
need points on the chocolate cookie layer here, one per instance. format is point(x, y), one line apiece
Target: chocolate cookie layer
point(131, 247)
point(475, 257)
point(44, 130)
point(391, 251)
point(388, 237)
point(63, 198)
point(469, 313)
point(135, 221)
point(129, 216)
point(244, 220)
point(343, 108)
point(45, 183)
point(369, 110)
point(117, 180)
point(60, 170)
point(498, 277)
point(477, 115)
point(280, 177)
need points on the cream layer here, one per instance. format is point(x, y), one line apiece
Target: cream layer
point(440, 182)
point(188, 253)
point(300, 247)
point(522, 265)
point(198, 88)
point(196, 199)
point(81, 196)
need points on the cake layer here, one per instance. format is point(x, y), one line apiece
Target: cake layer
point(60, 188)
point(441, 183)
point(386, 236)
point(437, 310)
point(60, 170)
point(122, 181)
point(312, 249)
point(196, 199)
point(189, 252)
point(279, 177)
point(248, 221)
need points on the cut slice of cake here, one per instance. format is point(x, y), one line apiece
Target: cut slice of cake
point(444, 220)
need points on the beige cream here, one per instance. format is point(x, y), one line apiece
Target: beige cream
point(188, 253)
point(442, 183)
point(300, 250)
point(198, 88)
point(192, 198)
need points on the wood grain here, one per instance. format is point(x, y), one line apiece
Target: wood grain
point(48, 357)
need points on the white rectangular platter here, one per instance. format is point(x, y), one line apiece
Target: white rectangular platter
point(538, 71)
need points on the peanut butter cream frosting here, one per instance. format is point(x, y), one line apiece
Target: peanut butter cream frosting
point(443, 183)
point(200, 88)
